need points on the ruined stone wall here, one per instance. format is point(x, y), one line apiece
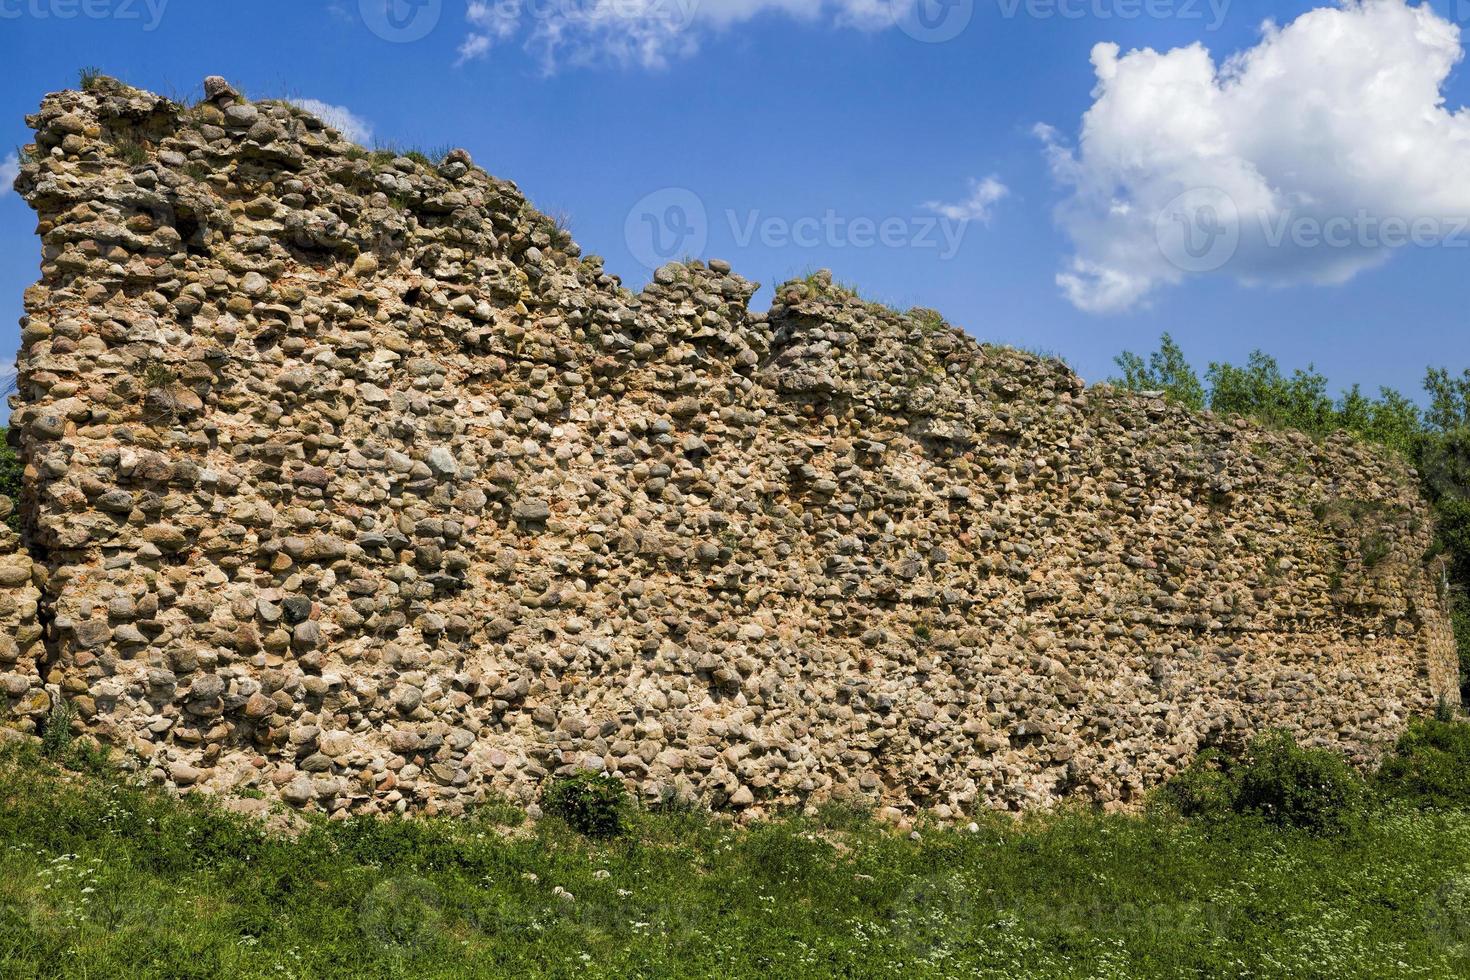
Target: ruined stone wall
point(24, 703)
point(349, 478)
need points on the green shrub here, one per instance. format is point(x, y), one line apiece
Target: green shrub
point(1290, 786)
point(593, 804)
point(1430, 766)
point(1443, 710)
point(1204, 790)
point(1276, 780)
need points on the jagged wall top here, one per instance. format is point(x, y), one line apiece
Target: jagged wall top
point(349, 477)
point(326, 200)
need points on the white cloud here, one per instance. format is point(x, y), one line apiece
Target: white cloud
point(474, 46)
point(351, 125)
point(646, 33)
point(492, 21)
point(1305, 159)
point(977, 207)
point(9, 170)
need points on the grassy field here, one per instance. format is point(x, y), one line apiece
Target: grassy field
point(102, 879)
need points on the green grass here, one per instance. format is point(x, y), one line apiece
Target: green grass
point(131, 152)
point(385, 151)
point(98, 878)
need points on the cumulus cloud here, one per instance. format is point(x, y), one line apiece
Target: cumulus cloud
point(645, 33)
point(1305, 159)
point(9, 170)
point(984, 194)
point(351, 125)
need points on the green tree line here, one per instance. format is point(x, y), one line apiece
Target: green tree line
point(1435, 439)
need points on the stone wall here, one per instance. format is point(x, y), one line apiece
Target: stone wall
point(24, 703)
point(350, 478)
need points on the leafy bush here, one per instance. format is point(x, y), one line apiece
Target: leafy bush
point(1295, 787)
point(593, 804)
point(1205, 790)
point(1276, 780)
point(1430, 766)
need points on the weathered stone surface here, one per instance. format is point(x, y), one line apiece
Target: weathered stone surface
point(24, 703)
point(349, 478)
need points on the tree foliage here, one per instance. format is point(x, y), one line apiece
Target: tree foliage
point(1166, 370)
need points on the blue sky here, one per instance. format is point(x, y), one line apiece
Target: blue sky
point(809, 117)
